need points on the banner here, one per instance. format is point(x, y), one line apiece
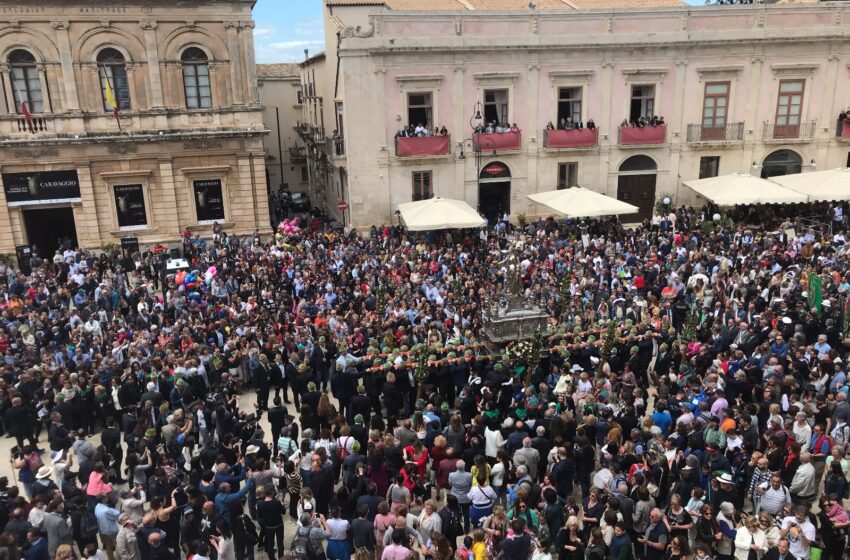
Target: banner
point(130, 205)
point(815, 292)
point(209, 201)
point(41, 188)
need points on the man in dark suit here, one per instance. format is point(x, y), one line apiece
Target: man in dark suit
point(20, 422)
point(360, 404)
point(111, 440)
point(392, 399)
point(262, 377)
point(276, 417)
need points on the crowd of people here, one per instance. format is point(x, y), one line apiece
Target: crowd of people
point(420, 130)
point(653, 120)
point(567, 123)
point(688, 399)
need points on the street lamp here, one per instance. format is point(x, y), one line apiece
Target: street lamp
point(476, 143)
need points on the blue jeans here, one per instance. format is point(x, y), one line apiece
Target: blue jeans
point(477, 514)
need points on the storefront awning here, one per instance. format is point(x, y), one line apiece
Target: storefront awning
point(578, 202)
point(829, 185)
point(439, 213)
point(743, 188)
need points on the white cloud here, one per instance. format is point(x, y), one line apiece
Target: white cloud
point(287, 51)
point(308, 28)
point(264, 31)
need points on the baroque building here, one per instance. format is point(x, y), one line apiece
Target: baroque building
point(752, 88)
point(134, 119)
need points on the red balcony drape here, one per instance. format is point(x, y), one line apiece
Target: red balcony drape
point(643, 135)
point(576, 138)
point(423, 146)
point(499, 141)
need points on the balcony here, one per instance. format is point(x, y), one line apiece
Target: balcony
point(499, 141)
point(335, 146)
point(572, 138)
point(423, 146)
point(297, 155)
point(701, 134)
point(802, 132)
point(642, 135)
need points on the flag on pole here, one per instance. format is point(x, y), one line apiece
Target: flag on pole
point(25, 110)
point(110, 98)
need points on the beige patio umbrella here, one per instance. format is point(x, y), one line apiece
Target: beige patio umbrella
point(831, 184)
point(578, 202)
point(439, 213)
point(743, 188)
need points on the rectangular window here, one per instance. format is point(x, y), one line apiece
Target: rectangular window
point(715, 104)
point(305, 177)
point(643, 103)
point(116, 76)
point(422, 186)
point(496, 106)
point(790, 102)
point(709, 166)
point(567, 175)
point(196, 82)
point(130, 206)
point(209, 200)
point(420, 109)
point(299, 97)
point(339, 126)
point(569, 105)
point(26, 87)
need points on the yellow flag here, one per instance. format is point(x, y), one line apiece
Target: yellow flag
point(110, 97)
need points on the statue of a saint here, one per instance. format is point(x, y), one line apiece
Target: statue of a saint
point(514, 283)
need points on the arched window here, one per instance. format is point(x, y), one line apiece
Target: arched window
point(196, 79)
point(781, 162)
point(26, 84)
point(113, 76)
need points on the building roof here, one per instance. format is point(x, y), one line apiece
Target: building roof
point(277, 71)
point(507, 5)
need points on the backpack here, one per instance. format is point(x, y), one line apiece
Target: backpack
point(35, 461)
point(452, 523)
point(299, 547)
point(302, 549)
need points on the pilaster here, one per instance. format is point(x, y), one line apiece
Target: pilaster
point(154, 85)
point(232, 28)
point(69, 82)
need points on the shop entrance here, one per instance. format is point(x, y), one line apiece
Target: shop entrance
point(50, 228)
point(494, 191)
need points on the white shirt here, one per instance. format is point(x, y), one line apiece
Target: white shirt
point(797, 548)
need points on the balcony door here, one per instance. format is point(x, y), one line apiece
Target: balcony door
point(789, 106)
point(714, 111)
point(636, 186)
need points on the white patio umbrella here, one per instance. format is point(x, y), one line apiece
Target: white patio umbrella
point(831, 184)
point(439, 213)
point(578, 202)
point(743, 188)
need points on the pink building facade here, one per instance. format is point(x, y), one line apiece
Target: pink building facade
point(740, 88)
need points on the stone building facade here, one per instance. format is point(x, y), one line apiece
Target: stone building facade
point(183, 150)
point(742, 88)
point(281, 96)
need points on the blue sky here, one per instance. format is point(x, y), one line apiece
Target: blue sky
point(286, 27)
